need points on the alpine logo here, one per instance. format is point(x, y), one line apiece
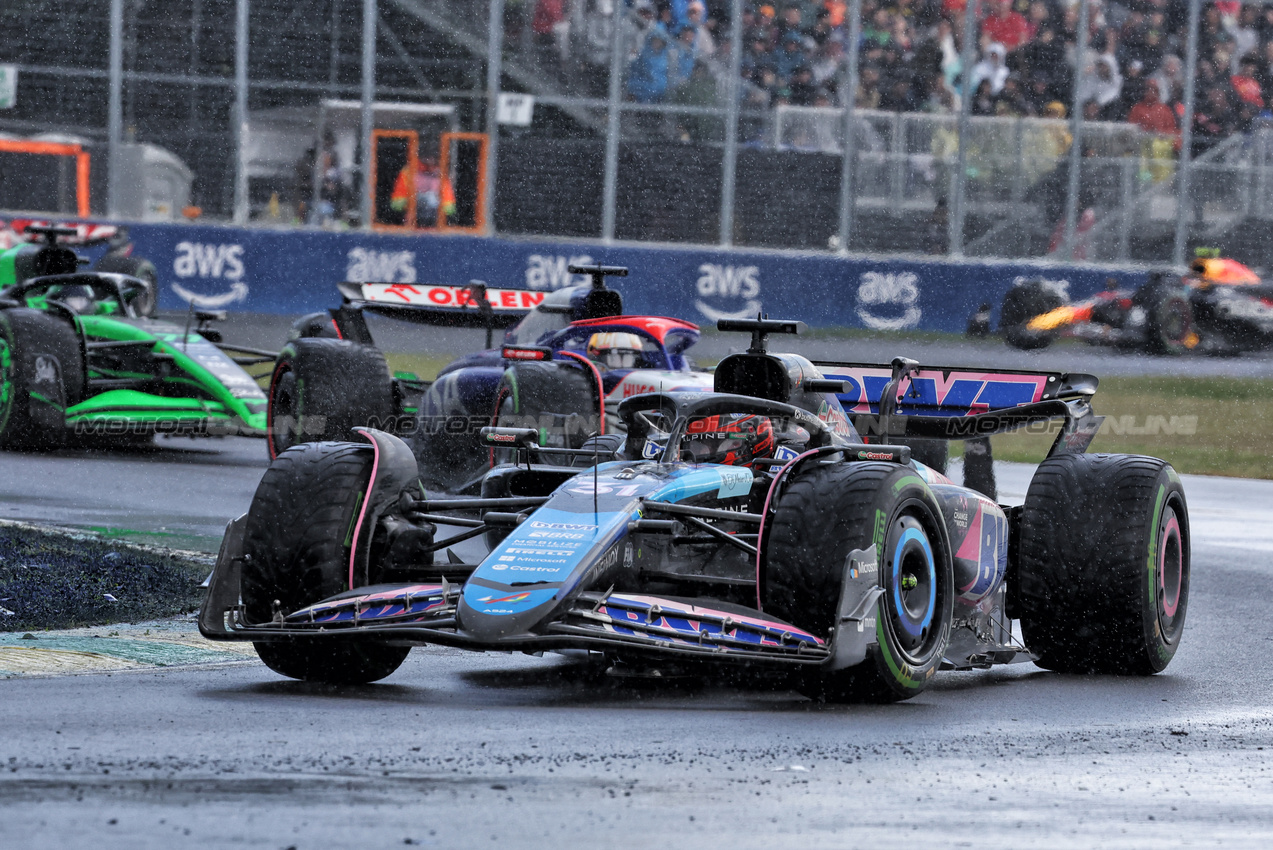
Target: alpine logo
point(494, 600)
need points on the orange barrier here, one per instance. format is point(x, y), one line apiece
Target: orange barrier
point(479, 222)
point(58, 149)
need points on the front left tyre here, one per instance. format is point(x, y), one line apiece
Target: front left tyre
point(41, 374)
point(298, 549)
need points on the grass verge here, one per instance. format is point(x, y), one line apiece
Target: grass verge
point(1205, 426)
point(57, 579)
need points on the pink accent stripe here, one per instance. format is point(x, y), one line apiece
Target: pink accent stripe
point(760, 535)
point(970, 546)
point(269, 413)
point(362, 514)
point(386, 596)
point(601, 388)
point(1173, 526)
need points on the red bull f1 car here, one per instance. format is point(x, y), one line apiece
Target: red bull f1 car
point(1219, 307)
point(772, 525)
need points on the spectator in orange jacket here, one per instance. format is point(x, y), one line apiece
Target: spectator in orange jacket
point(432, 192)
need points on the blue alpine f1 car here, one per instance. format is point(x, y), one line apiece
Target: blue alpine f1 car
point(771, 524)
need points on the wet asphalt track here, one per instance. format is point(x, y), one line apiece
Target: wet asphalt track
point(466, 750)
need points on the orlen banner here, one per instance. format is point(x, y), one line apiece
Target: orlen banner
point(296, 271)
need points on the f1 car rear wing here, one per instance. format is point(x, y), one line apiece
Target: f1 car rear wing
point(472, 305)
point(910, 400)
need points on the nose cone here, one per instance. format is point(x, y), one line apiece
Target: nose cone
point(492, 613)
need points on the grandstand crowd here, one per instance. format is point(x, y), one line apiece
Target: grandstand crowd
point(910, 57)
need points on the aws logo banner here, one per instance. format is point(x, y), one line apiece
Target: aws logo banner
point(552, 271)
point(888, 301)
point(209, 275)
point(727, 292)
point(367, 265)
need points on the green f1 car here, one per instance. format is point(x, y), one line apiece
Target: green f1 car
point(77, 360)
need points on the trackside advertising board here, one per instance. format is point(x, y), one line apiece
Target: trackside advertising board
point(296, 271)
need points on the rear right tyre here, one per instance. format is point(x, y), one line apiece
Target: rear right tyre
point(1169, 322)
point(145, 302)
point(1103, 564)
point(1022, 303)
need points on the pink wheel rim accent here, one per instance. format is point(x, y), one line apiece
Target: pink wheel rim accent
point(362, 513)
point(760, 532)
point(1170, 530)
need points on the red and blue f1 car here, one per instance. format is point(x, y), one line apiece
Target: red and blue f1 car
point(771, 524)
point(571, 351)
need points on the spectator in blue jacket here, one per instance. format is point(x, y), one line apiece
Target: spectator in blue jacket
point(647, 75)
point(683, 56)
point(789, 56)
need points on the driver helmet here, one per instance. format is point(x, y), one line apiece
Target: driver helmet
point(78, 298)
point(730, 439)
point(615, 350)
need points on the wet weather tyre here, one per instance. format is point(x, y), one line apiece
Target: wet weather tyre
point(1169, 322)
point(1103, 564)
point(1020, 305)
point(321, 389)
point(297, 551)
point(146, 303)
point(557, 398)
point(826, 512)
point(41, 374)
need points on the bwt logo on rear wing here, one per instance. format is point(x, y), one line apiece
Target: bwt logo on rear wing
point(940, 391)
